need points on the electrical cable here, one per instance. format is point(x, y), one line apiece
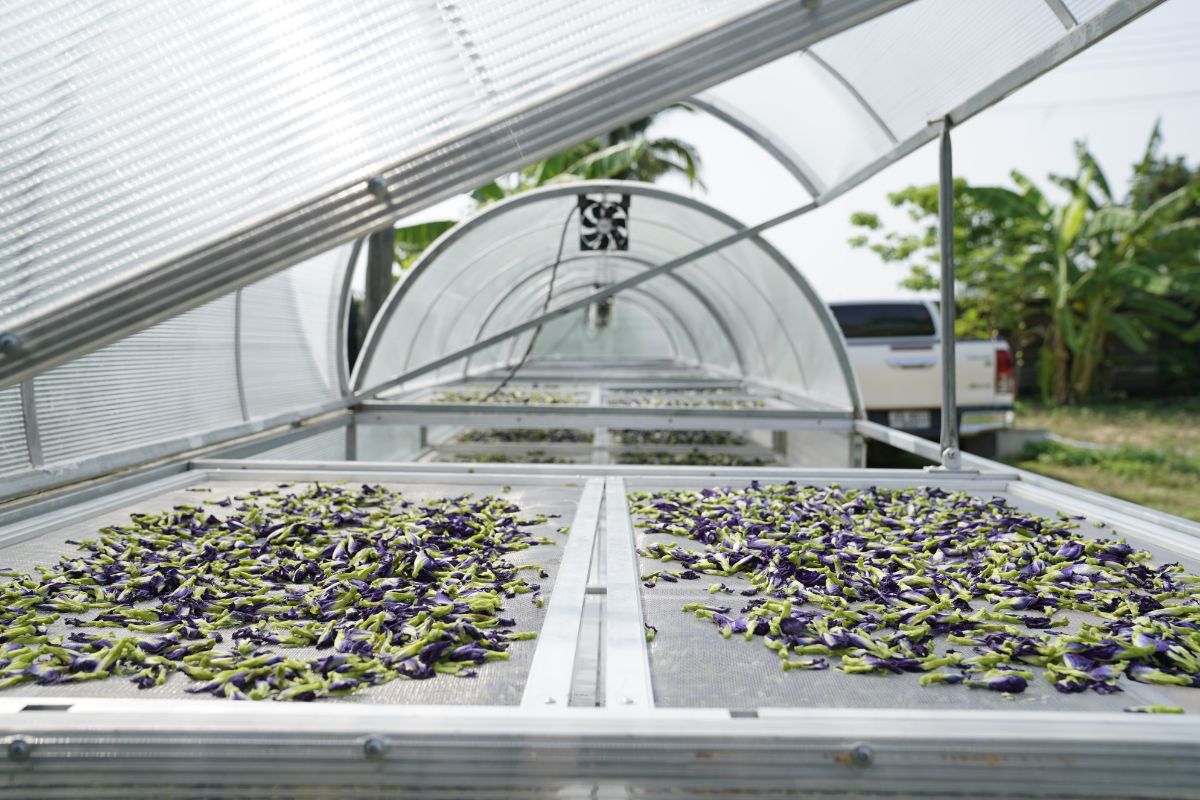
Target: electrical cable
point(562, 240)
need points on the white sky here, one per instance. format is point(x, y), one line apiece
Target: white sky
point(1109, 95)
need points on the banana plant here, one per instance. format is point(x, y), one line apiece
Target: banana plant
point(1077, 273)
point(1140, 260)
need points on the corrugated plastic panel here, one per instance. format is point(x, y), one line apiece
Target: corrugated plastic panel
point(288, 336)
point(918, 62)
point(327, 445)
point(827, 153)
point(176, 379)
point(139, 133)
point(14, 455)
point(858, 100)
point(1086, 9)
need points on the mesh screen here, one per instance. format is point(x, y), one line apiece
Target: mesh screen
point(692, 665)
point(498, 683)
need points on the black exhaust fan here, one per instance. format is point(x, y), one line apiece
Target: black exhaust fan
point(603, 224)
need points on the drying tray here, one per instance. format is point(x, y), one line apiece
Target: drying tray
point(590, 706)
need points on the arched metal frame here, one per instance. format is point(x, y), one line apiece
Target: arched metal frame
point(717, 316)
point(642, 299)
point(778, 150)
point(502, 244)
point(447, 241)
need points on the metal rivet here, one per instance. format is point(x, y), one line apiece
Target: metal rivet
point(374, 747)
point(861, 755)
point(952, 458)
point(18, 749)
point(627, 701)
point(550, 701)
point(9, 342)
point(378, 187)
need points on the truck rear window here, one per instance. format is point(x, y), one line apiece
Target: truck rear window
point(883, 320)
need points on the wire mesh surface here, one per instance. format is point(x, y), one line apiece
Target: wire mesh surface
point(691, 664)
point(497, 683)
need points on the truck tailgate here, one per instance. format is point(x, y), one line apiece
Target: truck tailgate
point(976, 378)
point(911, 374)
point(909, 378)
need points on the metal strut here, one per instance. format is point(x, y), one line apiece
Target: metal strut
point(951, 455)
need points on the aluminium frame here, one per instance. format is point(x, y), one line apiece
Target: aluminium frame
point(74, 747)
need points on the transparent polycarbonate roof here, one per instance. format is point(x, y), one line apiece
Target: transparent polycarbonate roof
point(838, 111)
point(155, 155)
point(742, 311)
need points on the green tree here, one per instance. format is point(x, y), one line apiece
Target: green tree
point(625, 153)
point(1073, 275)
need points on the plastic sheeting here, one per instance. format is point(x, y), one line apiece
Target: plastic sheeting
point(742, 311)
point(270, 349)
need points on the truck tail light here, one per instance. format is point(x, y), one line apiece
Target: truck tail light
point(1006, 372)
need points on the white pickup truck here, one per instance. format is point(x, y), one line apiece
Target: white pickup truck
point(895, 347)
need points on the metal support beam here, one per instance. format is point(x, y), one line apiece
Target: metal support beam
point(852, 90)
point(33, 434)
point(1063, 13)
point(792, 162)
point(627, 681)
point(553, 667)
point(499, 415)
point(380, 253)
point(239, 371)
point(583, 302)
point(951, 457)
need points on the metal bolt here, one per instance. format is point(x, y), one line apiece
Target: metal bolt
point(861, 755)
point(9, 342)
point(18, 749)
point(627, 701)
point(378, 187)
point(374, 747)
point(952, 458)
point(550, 701)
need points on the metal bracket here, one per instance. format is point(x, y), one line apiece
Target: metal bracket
point(550, 675)
point(626, 658)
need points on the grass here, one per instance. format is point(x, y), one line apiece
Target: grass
point(1172, 425)
point(1149, 451)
